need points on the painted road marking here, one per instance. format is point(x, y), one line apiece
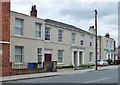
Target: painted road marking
point(97, 80)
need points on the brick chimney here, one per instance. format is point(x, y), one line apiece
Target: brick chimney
point(107, 35)
point(33, 11)
point(5, 37)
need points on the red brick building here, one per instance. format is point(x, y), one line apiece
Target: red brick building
point(4, 37)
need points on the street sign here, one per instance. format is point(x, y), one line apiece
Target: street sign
point(107, 50)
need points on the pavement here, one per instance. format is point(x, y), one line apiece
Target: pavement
point(49, 74)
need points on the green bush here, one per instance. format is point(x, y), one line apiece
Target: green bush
point(60, 67)
point(110, 61)
point(85, 66)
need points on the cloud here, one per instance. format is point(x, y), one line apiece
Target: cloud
point(110, 20)
point(85, 10)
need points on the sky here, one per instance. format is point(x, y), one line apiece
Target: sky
point(79, 13)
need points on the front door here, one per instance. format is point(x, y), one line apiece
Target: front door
point(48, 62)
point(48, 57)
point(80, 58)
point(75, 58)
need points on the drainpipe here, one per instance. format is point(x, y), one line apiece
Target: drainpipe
point(100, 48)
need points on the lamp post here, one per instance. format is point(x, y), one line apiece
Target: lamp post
point(96, 68)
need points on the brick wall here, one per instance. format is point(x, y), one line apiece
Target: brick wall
point(25, 70)
point(6, 21)
point(0, 21)
point(5, 60)
point(5, 35)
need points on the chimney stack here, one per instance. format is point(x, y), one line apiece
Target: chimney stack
point(33, 11)
point(107, 35)
point(92, 30)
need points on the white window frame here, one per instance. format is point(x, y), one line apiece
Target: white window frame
point(90, 57)
point(109, 56)
point(17, 28)
point(90, 44)
point(38, 30)
point(60, 36)
point(73, 38)
point(60, 56)
point(47, 33)
point(39, 54)
point(112, 56)
point(21, 54)
point(107, 43)
point(82, 40)
point(110, 44)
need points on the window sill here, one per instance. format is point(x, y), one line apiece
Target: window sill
point(38, 38)
point(60, 63)
point(90, 62)
point(73, 44)
point(47, 41)
point(18, 63)
point(18, 35)
point(60, 42)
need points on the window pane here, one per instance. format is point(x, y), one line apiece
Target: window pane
point(18, 54)
point(60, 56)
point(90, 58)
point(38, 30)
point(39, 54)
point(39, 58)
point(18, 26)
point(60, 35)
point(47, 33)
point(81, 42)
point(107, 44)
point(90, 43)
point(18, 58)
point(73, 38)
point(110, 44)
point(19, 23)
point(39, 51)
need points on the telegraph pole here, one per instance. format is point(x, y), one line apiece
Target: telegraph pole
point(96, 68)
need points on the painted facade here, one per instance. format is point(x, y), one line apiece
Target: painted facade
point(74, 54)
point(106, 47)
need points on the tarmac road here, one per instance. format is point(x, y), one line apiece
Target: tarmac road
point(101, 76)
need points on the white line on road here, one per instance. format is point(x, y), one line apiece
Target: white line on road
point(97, 80)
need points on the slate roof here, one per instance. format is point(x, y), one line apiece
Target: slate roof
point(61, 24)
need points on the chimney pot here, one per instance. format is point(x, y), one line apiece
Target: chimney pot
point(33, 11)
point(107, 35)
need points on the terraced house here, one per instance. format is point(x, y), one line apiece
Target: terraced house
point(106, 47)
point(34, 40)
point(37, 40)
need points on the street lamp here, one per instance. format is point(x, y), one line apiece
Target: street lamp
point(96, 39)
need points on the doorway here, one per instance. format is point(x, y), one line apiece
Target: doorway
point(80, 57)
point(75, 58)
point(48, 57)
point(48, 62)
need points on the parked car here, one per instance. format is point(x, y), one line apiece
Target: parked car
point(102, 62)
